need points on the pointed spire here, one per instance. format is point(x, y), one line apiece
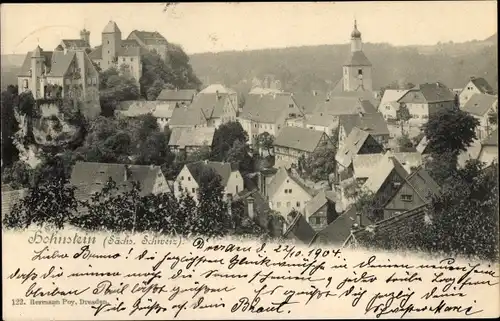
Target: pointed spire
point(355, 33)
point(37, 52)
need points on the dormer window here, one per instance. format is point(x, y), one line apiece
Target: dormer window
point(360, 72)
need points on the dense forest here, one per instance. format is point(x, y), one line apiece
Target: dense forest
point(319, 67)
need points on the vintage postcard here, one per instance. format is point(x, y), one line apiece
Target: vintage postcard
point(249, 160)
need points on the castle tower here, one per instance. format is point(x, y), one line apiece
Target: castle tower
point(37, 61)
point(85, 35)
point(111, 44)
point(357, 71)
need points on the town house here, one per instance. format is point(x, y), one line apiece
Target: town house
point(320, 211)
point(426, 99)
point(189, 179)
point(294, 142)
point(476, 85)
point(389, 105)
point(374, 124)
point(190, 139)
point(179, 96)
point(481, 106)
point(267, 113)
point(489, 149)
point(287, 192)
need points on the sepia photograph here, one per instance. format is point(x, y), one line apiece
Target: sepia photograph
point(249, 160)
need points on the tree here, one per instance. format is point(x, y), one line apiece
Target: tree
point(403, 115)
point(224, 138)
point(212, 216)
point(155, 89)
point(18, 175)
point(320, 164)
point(265, 141)
point(154, 150)
point(10, 126)
point(405, 144)
point(493, 116)
point(51, 203)
point(115, 88)
point(240, 154)
point(450, 131)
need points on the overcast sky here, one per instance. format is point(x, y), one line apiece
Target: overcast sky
point(202, 27)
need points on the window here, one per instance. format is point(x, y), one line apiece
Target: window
point(108, 44)
point(406, 197)
point(288, 204)
point(298, 204)
point(360, 72)
point(131, 59)
point(189, 178)
point(278, 204)
point(180, 188)
point(290, 191)
point(123, 59)
point(25, 83)
point(193, 190)
point(89, 81)
point(387, 107)
point(286, 191)
point(290, 106)
point(182, 178)
point(317, 220)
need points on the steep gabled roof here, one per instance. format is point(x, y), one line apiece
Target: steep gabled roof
point(96, 54)
point(189, 136)
point(307, 102)
point(214, 88)
point(222, 169)
point(352, 145)
point(187, 116)
point(211, 104)
point(339, 230)
point(150, 37)
point(280, 177)
point(177, 95)
point(364, 164)
point(374, 124)
point(300, 230)
point(482, 85)
point(480, 104)
point(319, 201)
point(91, 177)
point(392, 95)
point(75, 43)
point(267, 108)
point(423, 183)
point(433, 92)
point(337, 106)
point(320, 119)
point(299, 138)
point(382, 171)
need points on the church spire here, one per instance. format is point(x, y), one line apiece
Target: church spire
point(356, 43)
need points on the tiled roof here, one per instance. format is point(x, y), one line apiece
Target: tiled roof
point(480, 104)
point(482, 85)
point(75, 43)
point(307, 102)
point(96, 54)
point(212, 89)
point(364, 164)
point(425, 186)
point(278, 179)
point(337, 106)
point(163, 110)
point(130, 51)
point(177, 95)
point(134, 108)
point(358, 58)
point(267, 108)
point(130, 43)
point(187, 116)
point(339, 230)
point(91, 177)
point(492, 140)
point(352, 145)
point(434, 92)
point(57, 62)
point(392, 95)
point(393, 225)
point(150, 37)
point(212, 105)
point(320, 119)
point(302, 139)
point(111, 27)
point(188, 136)
point(319, 200)
point(374, 124)
point(222, 169)
point(266, 91)
point(383, 169)
point(300, 230)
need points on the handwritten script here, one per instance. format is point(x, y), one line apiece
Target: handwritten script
point(146, 277)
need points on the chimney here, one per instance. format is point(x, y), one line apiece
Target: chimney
point(217, 94)
point(472, 77)
point(250, 202)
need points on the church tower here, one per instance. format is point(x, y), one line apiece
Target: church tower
point(111, 44)
point(85, 35)
point(357, 71)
